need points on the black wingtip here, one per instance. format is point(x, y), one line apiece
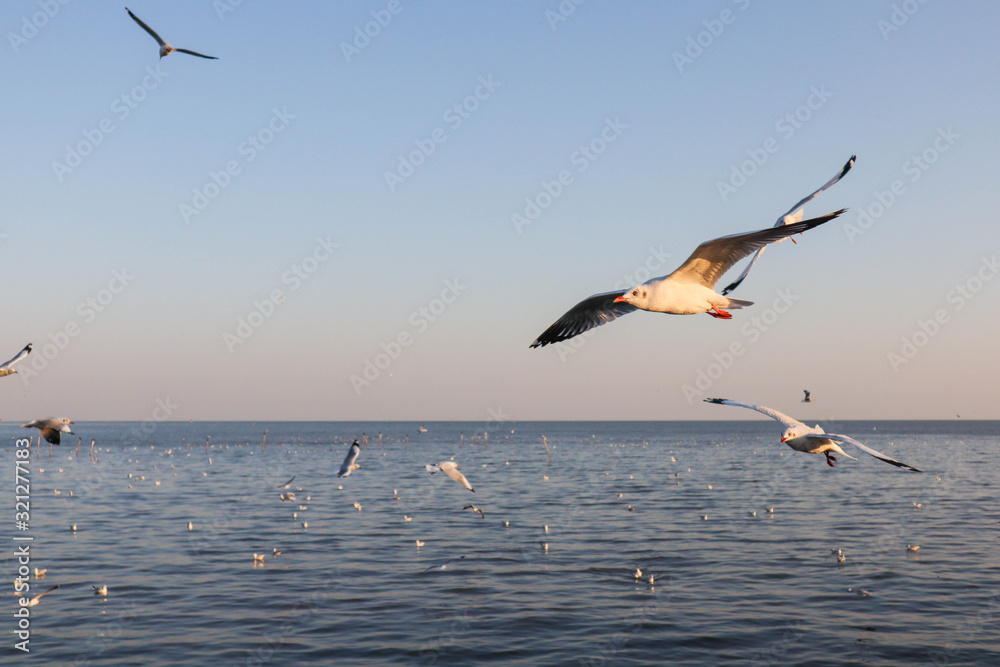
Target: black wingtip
point(847, 167)
point(717, 401)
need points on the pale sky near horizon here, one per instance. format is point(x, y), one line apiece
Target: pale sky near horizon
point(353, 201)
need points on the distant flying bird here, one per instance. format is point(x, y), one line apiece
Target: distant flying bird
point(51, 428)
point(285, 485)
point(101, 590)
point(812, 440)
point(808, 398)
point(349, 465)
point(165, 48)
point(288, 496)
point(5, 367)
point(689, 290)
point(476, 510)
point(35, 600)
point(794, 214)
point(450, 468)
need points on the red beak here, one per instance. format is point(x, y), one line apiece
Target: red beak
point(783, 438)
point(620, 299)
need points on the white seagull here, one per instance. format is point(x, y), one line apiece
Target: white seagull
point(5, 367)
point(349, 465)
point(689, 290)
point(51, 428)
point(165, 48)
point(450, 468)
point(812, 440)
point(101, 590)
point(808, 398)
point(794, 214)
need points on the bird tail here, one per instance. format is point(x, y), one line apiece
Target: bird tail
point(737, 303)
point(431, 468)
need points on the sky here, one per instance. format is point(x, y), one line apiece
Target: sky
point(369, 210)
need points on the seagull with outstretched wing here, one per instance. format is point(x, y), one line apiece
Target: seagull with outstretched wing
point(165, 48)
point(812, 440)
point(450, 468)
point(687, 291)
point(5, 367)
point(794, 214)
point(51, 428)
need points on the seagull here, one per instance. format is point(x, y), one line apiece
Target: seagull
point(51, 428)
point(285, 485)
point(450, 468)
point(481, 513)
point(35, 600)
point(357, 506)
point(638, 574)
point(689, 290)
point(793, 215)
point(288, 496)
point(275, 552)
point(808, 398)
point(101, 590)
point(40, 574)
point(5, 367)
point(813, 440)
point(407, 519)
point(913, 547)
point(349, 465)
point(165, 48)
point(258, 558)
point(419, 544)
point(863, 592)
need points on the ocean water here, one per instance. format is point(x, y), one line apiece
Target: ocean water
point(353, 588)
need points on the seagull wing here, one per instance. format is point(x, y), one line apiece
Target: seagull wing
point(50, 434)
point(193, 53)
point(285, 485)
point(839, 175)
point(868, 450)
point(352, 456)
point(787, 421)
point(712, 259)
point(146, 27)
point(453, 472)
point(794, 214)
point(592, 312)
point(38, 597)
point(17, 357)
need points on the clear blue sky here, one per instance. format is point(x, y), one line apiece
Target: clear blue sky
point(308, 118)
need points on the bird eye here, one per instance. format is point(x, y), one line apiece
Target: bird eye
point(635, 292)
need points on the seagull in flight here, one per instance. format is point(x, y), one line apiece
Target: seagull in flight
point(794, 214)
point(689, 290)
point(5, 367)
point(349, 465)
point(475, 510)
point(165, 48)
point(812, 440)
point(285, 485)
point(450, 468)
point(51, 428)
point(808, 398)
point(35, 600)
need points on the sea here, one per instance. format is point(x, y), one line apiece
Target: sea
point(599, 543)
